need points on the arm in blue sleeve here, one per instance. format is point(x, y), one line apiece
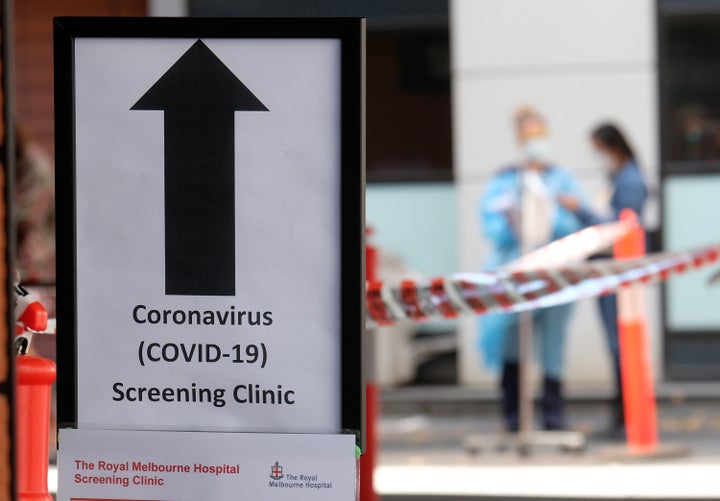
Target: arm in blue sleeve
point(630, 194)
point(584, 216)
point(589, 218)
point(495, 224)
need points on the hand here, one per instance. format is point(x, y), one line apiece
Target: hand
point(569, 202)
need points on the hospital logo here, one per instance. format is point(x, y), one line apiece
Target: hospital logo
point(276, 471)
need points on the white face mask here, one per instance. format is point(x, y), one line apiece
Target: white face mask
point(606, 161)
point(537, 150)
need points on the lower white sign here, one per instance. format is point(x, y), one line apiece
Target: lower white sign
point(97, 465)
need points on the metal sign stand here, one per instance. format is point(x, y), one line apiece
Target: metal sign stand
point(527, 437)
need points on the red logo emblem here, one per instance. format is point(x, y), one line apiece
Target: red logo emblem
point(276, 471)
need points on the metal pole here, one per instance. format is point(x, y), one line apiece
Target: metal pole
point(525, 393)
point(525, 346)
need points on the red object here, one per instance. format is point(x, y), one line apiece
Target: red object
point(470, 294)
point(32, 400)
point(411, 302)
point(371, 258)
point(369, 458)
point(441, 298)
point(638, 391)
point(372, 402)
point(375, 304)
point(35, 317)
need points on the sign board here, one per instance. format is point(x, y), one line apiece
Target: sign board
point(210, 222)
point(97, 465)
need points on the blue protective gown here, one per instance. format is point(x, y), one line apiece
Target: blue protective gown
point(499, 332)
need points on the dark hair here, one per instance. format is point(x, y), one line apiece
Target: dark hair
point(610, 136)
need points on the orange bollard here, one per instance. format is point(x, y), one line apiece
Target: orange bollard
point(638, 391)
point(35, 375)
point(372, 401)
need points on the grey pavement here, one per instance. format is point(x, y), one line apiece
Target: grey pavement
point(421, 438)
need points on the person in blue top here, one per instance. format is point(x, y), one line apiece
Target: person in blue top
point(628, 191)
point(535, 184)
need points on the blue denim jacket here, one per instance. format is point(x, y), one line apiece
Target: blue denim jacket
point(629, 192)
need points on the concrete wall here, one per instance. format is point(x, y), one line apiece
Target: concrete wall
point(579, 62)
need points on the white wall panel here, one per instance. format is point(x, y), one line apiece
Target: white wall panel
point(572, 104)
point(535, 35)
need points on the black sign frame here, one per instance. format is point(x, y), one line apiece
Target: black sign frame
point(351, 34)
point(8, 244)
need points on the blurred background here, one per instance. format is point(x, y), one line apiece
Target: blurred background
point(444, 79)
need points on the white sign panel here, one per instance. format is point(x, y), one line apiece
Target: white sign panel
point(95, 465)
point(209, 176)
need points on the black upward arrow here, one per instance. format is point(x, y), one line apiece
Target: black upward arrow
point(199, 96)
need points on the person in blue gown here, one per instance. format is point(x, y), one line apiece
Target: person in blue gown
point(537, 180)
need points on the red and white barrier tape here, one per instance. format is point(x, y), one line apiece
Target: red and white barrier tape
point(573, 248)
point(509, 291)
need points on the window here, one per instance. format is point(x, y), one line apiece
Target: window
point(409, 134)
point(690, 92)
